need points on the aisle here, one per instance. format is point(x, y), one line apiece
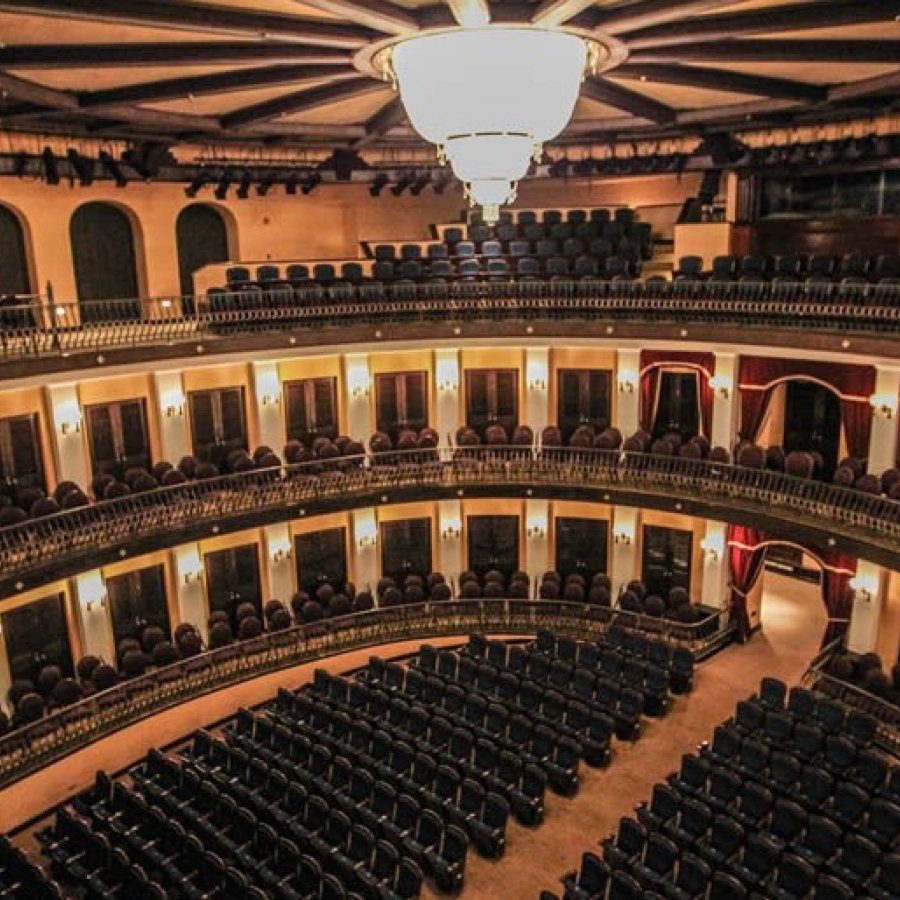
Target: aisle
point(793, 623)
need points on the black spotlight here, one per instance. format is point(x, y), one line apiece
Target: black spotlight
point(243, 189)
point(51, 167)
point(113, 169)
point(83, 167)
point(440, 184)
point(405, 180)
point(420, 183)
point(290, 186)
point(264, 186)
point(221, 191)
point(378, 184)
point(197, 182)
point(310, 183)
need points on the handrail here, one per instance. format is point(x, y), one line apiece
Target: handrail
point(43, 327)
point(68, 729)
point(167, 514)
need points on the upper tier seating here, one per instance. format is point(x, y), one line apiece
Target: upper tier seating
point(793, 268)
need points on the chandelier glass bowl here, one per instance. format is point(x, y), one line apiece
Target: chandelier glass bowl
point(489, 98)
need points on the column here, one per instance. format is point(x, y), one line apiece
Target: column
point(725, 402)
point(537, 542)
point(173, 429)
point(883, 436)
point(267, 385)
point(447, 413)
point(279, 559)
point(69, 448)
point(714, 586)
point(192, 605)
point(537, 392)
point(628, 406)
point(365, 548)
point(450, 552)
point(869, 585)
point(358, 390)
point(90, 592)
point(625, 551)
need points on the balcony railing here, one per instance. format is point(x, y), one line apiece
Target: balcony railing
point(42, 327)
point(68, 729)
point(48, 547)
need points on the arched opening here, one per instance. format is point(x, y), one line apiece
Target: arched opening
point(812, 421)
point(105, 259)
point(15, 277)
point(201, 233)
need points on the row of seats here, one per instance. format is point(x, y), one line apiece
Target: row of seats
point(572, 247)
point(793, 266)
point(790, 800)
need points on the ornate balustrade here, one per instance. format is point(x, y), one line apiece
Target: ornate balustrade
point(41, 550)
point(68, 729)
point(41, 327)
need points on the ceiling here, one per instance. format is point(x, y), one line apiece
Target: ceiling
point(282, 72)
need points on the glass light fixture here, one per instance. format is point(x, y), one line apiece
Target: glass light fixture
point(489, 98)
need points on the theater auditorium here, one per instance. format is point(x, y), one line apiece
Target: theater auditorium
point(449, 448)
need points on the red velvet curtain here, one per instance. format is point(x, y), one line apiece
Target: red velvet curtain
point(849, 380)
point(838, 569)
point(652, 361)
point(745, 560)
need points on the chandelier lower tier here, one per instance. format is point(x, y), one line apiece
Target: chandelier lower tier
point(489, 98)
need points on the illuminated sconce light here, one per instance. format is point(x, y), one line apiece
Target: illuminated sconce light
point(722, 386)
point(365, 541)
point(863, 588)
point(712, 547)
point(884, 405)
point(447, 385)
point(92, 591)
point(622, 537)
point(99, 601)
point(451, 532)
point(281, 553)
point(173, 403)
point(627, 382)
point(268, 399)
point(68, 418)
point(174, 410)
point(360, 391)
point(537, 384)
point(59, 312)
point(192, 576)
point(165, 304)
point(536, 532)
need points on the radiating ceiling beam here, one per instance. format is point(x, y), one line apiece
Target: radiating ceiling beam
point(617, 19)
point(741, 112)
point(378, 125)
point(221, 82)
point(197, 18)
point(66, 56)
point(866, 87)
point(470, 13)
point(605, 91)
point(837, 51)
point(721, 80)
point(555, 12)
point(378, 14)
point(765, 20)
point(27, 91)
point(300, 101)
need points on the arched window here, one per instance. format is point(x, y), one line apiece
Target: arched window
point(103, 250)
point(202, 236)
point(14, 275)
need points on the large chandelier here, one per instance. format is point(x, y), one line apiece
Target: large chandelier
point(489, 98)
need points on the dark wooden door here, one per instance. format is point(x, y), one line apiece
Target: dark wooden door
point(493, 543)
point(21, 458)
point(582, 398)
point(311, 409)
point(232, 578)
point(406, 548)
point(666, 559)
point(14, 275)
point(401, 401)
point(677, 405)
point(118, 436)
point(492, 398)
point(581, 546)
point(321, 558)
point(138, 599)
point(202, 238)
point(218, 423)
point(36, 635)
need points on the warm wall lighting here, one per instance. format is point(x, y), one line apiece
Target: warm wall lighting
point(447, 386)
point(536, 532)
point(192, 576)
point(722, 385)
point(627, 382)
point(68, 417)
point(268, 399)
point(863, 587)
point(623, 537)
point(712, 546)
point(173, 403)
point(450, 532)
point(281, 553)
point(884, 405)
point(365, 541)
point(537, 384)
point(446, 370)
point(360, 392)
point(92, 590)
point(268, 386)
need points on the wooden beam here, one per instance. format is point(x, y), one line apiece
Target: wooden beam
point(299, 129)
point(865, 87)
point(605, 91)
point(765, 20)
point(470, 13)
point(300, 101)
point(837, 52)
point(738, 111)
point(67, 56)
point(555, 12)
point(378, 125)
point(198, 18)
point(617, 19)
point(378, 14)
point(223, 82)
point(27, 91)
point(722, 80)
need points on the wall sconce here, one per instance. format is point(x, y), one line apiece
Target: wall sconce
point(448, 385)
point(360, 392)
point(281, 553)
point(863, 588)
point(627, 382)
point(192, 576)
point(68, 417)
point(92, 590)
point(884, 405)
point(365, 541)
point(165, 304)
point(536, 532)
point(537, 384)
point(711, 548)
point(68, 426)
point(174, 409)
point(450, 532)
point(722, 386)
point(101, 601)
point(623, 538)
point(268, 399)
point(172, 402)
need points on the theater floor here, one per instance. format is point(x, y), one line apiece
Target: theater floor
point(793, 621)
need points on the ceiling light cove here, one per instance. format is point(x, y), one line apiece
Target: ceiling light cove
point(489, 98)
